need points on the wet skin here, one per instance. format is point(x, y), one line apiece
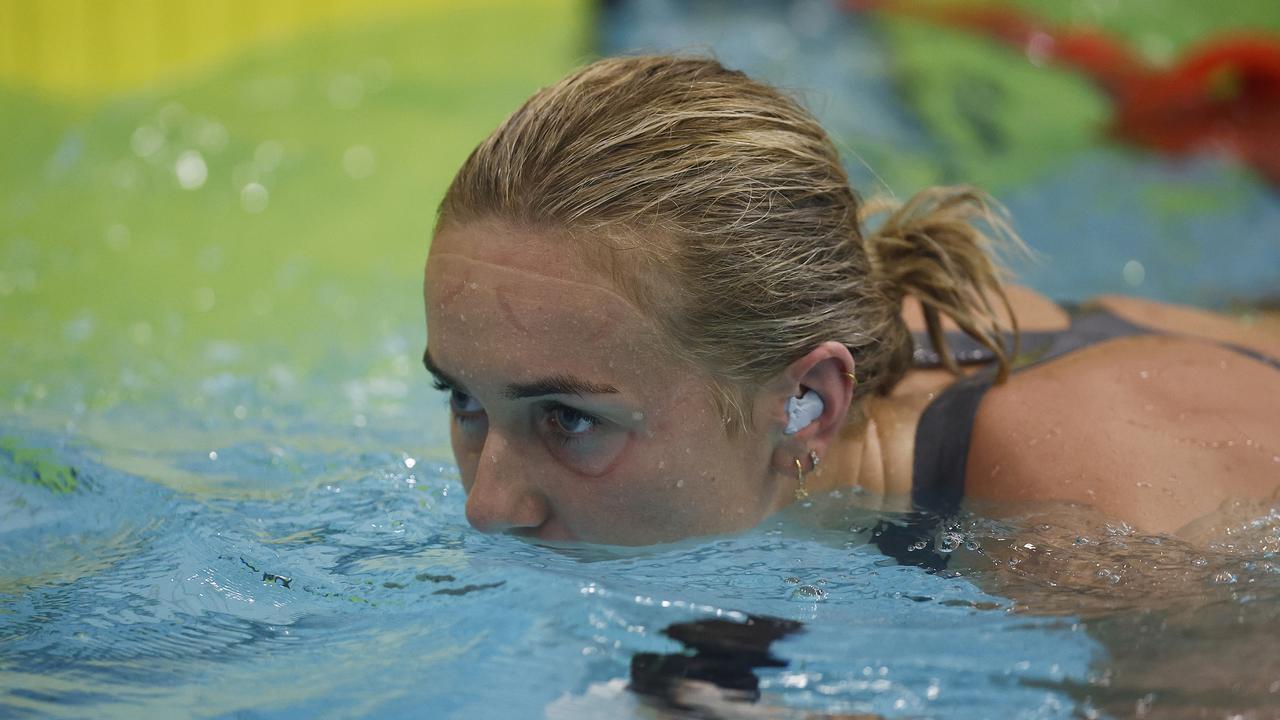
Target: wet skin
point(570, 419)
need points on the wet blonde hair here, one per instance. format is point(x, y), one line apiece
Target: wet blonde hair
point(721, 206)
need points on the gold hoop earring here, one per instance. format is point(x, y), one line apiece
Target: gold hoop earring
point(801, 492)
point(852, 378)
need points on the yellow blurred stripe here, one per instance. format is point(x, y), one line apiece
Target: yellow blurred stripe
point(93, 48)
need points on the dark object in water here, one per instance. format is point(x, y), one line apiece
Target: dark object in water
point(466, 589)
point(1223, 95)
point(718, 652)
point(272, 578)
point(268, 577)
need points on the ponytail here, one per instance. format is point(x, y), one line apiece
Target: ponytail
point(935, 249)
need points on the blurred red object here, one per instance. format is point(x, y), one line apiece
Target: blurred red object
point(1223, 95)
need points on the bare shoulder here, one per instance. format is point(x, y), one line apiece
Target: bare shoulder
point(1154, 430)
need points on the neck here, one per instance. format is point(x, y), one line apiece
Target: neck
point(878, 454)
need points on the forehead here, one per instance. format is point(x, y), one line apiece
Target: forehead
point(503, 297)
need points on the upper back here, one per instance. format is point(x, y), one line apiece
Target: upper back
point(1155, 430)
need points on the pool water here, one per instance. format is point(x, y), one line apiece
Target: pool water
point(352, 585)
point(226, 488)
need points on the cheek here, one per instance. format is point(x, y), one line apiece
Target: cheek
point(594, 457)
point(661, 494)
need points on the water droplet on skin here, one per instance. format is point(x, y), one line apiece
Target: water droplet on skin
point(680, 483)
point(1144, 374)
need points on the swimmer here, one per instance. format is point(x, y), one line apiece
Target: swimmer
point(660, 311)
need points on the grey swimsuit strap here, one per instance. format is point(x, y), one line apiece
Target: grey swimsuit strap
point(946, 426)
point(1090, 325)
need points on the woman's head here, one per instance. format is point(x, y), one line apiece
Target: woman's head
point(670, 222)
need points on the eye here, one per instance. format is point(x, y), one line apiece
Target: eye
point(571, 423)
point(463, 404)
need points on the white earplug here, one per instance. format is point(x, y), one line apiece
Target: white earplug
point(803, 410)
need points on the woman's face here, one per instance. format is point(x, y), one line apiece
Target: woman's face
point(569, 419)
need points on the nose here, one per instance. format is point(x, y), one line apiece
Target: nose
point(501, 497)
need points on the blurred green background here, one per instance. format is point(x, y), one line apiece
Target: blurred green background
point(229, 230)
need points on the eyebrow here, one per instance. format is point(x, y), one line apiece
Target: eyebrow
point(551, 385)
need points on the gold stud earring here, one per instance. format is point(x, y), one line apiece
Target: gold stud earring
point(801, 492)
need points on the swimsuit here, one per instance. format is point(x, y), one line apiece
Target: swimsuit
point(946, 425)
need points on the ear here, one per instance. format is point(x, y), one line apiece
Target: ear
point(824, 370)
